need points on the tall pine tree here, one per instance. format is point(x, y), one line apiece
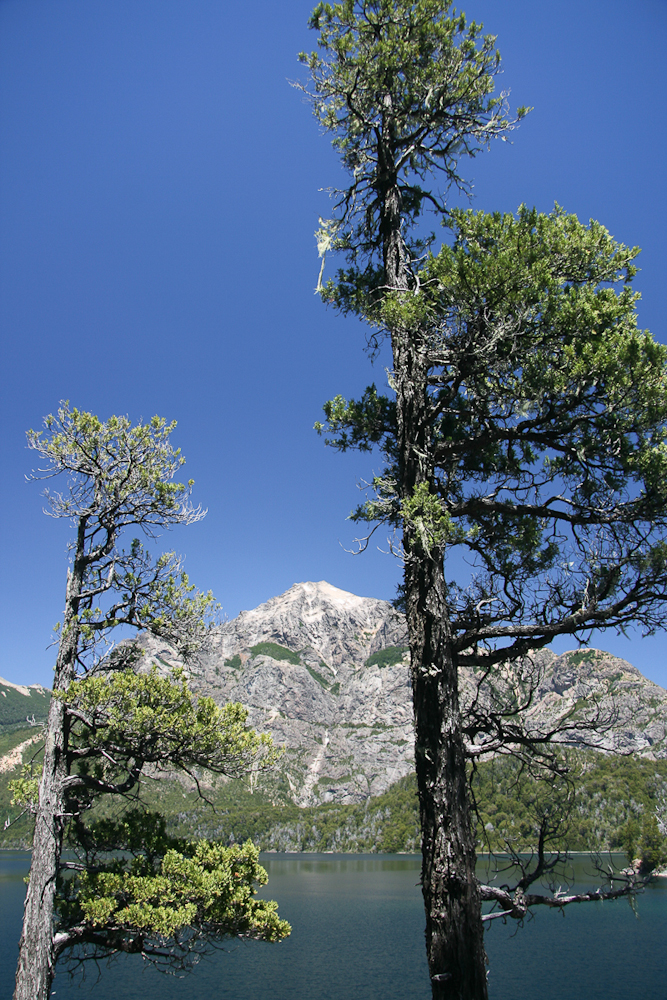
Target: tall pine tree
point(526, 426)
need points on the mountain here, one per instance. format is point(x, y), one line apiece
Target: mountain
point(326, 672)
point(21, 705)
point(303, 663)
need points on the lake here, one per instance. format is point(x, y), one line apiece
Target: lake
point(357, 934)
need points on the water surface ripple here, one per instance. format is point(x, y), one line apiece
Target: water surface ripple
point(358, 935)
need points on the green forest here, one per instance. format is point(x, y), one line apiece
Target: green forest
point(606, 801)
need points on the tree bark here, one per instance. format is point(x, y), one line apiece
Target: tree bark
point(36, 963)
point(454, 929)
point(35, 970)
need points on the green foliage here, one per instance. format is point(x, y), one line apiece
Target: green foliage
point(156, 597)
point(275, 651)
point(317, 676)
point(387, 657)
point(150, 719)
point(11, 737)
point(643, 842)
point(118, 472)
point(601, 810)
point(586, 816)
point(652, 844)
point(234, 662)
point(120, 476)
point(583, 656)
point(359, 425)
point(20, 818)
point(388, 822)
point(138, 888)
point(537, 374)
point(24, 791)
point(414, 72)
point(134, 889)
point(204, 887)
point(627, 837)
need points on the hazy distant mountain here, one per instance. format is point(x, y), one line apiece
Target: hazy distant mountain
point(326, 673)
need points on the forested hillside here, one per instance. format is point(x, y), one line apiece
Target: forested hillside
point(608, 792)
point(20, 704)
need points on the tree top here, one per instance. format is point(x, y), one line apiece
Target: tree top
point(118, 474)
point(406, 89)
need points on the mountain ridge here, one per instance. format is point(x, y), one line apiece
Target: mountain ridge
point(22, 704)
point(326, 672)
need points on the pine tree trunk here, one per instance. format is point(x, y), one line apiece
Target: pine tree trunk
point(36, 964)
point(35, 970)
point(454, 930)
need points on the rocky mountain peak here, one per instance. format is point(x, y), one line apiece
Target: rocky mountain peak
point(327, 673)
point(338, 627)
point(314, 596)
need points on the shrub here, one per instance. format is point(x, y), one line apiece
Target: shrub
point(276, 652)
point(387, 657)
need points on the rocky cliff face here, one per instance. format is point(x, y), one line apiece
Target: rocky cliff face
point(327, 674)
point(592, 681)
point(300, 664)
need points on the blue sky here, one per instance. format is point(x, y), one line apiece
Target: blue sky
point(160, 184)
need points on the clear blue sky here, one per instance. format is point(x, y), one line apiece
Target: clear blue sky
point(159, 190)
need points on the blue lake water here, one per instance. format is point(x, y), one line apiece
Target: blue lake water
point(357, 934)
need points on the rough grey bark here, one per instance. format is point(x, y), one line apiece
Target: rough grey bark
point(35, 970)
point(454, 934)
point(454, 929)
point(36, 963)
